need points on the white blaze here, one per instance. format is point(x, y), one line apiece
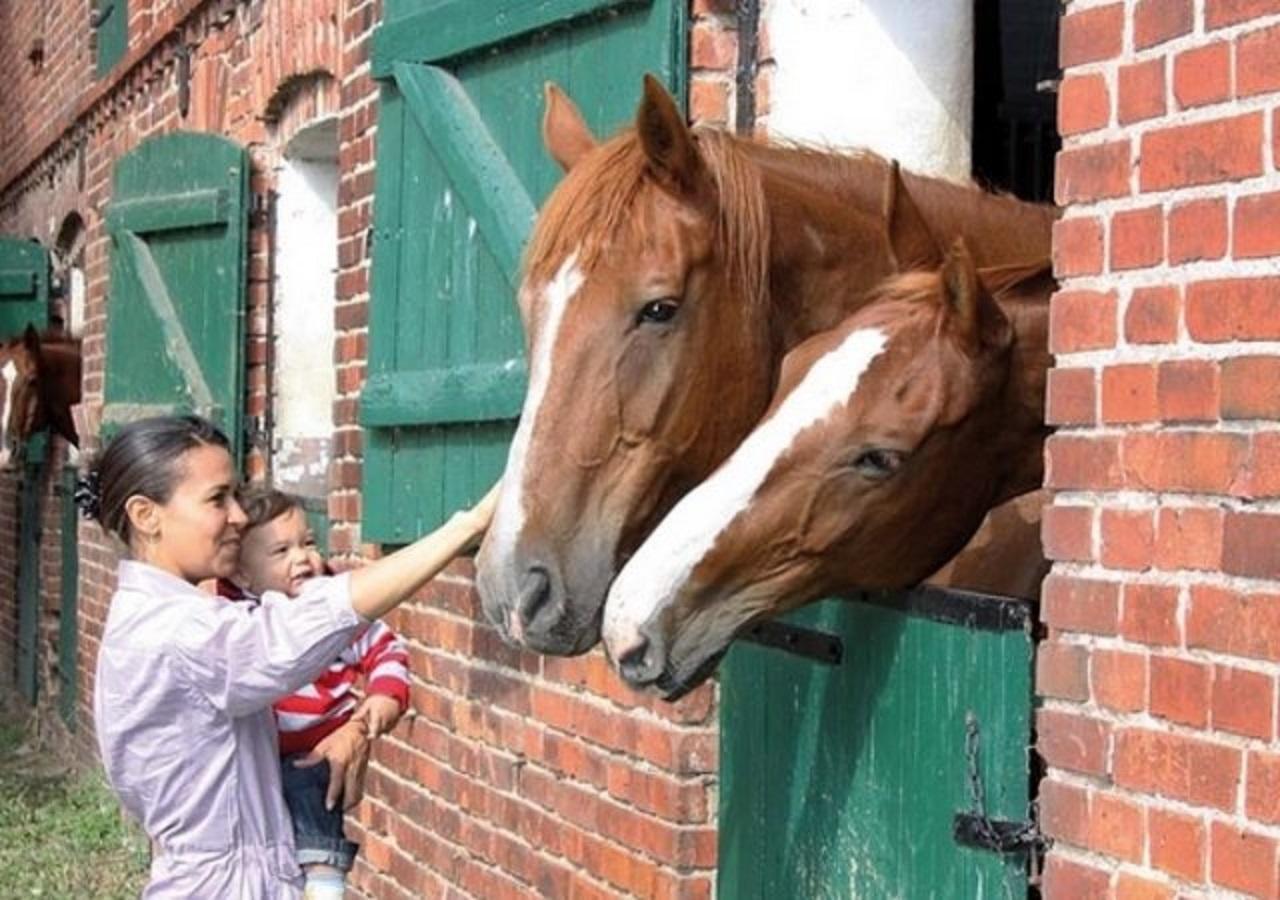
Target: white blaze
point(664, 562)
point(8, 372)
point(509, 516)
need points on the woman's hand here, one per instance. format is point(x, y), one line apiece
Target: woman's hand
point(479, 516)
point(347, 751)
point(380, 713)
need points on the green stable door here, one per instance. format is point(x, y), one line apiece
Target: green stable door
point(879, 777)
point(460, 172)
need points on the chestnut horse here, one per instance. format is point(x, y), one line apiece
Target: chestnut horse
point(39, 383)
point(667, 275)
point(890, 438)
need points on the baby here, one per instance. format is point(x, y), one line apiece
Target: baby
point(278, 553)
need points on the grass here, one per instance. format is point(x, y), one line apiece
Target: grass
point(61, 831)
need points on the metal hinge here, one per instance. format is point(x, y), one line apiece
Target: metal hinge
point(807, 642)
point(978, 830)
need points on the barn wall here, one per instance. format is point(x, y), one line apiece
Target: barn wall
point(1158, 676)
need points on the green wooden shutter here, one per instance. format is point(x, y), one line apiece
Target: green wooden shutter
point(68, 624)
point(24, 286)
point(30, 528)
point(111, 33)
point(175, 315)
point(460, 171)
point(845, 781)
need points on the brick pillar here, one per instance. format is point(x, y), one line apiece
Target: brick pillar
point(1158, 674)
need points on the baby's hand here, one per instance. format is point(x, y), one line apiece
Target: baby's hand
point(380, 713)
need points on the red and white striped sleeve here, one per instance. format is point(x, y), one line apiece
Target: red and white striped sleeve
point(384, 662)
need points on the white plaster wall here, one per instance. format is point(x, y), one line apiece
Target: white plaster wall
point(306, 263)
point(894, 76)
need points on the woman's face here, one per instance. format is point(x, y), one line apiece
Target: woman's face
point(196, 533)
point(279, 555)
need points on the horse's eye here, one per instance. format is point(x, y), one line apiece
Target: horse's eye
point(658, 311)
point(878, 464)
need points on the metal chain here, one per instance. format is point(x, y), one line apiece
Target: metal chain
point(1028, 836)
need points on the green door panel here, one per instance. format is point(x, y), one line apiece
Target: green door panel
point(24, 286)
point(178, 223)
point(844, 781)
point(460, 171)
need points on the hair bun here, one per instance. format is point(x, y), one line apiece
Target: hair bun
point(88, 495)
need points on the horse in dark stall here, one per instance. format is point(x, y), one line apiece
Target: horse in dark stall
point(39, 384)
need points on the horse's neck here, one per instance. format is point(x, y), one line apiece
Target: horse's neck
point(1020, 419)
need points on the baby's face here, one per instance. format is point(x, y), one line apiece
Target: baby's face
point(279, 555)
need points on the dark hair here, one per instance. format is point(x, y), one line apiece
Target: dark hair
point(262, 503)
point(144, 458)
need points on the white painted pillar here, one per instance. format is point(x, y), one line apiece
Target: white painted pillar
point(894, 76)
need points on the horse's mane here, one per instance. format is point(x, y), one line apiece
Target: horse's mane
point(589, 208)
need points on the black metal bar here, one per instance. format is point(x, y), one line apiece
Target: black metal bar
point(996, 835)
point(984, 612)
point(807, 642)
point(748, 12)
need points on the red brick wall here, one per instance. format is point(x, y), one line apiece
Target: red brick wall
point(1163, 610)
point(513, 774)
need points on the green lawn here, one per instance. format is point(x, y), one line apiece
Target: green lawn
point(61, 831)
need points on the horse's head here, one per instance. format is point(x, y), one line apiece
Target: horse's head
point(19, 396)
point(653, 347)
point(870, 469)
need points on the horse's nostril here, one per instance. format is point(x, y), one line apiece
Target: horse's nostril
point(637, 663)
point(535, 591)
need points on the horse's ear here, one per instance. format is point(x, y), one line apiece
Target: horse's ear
point(979, 321)
point(668, 144)
point(910, 241)
point(564, 131)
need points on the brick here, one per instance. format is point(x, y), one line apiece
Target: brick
point(1067, 533)
point(1152, 314)
point(1062, 671)
point(1064, 812)
point(1261, 478)
point(1198, 230)
point(1129, 393)
point(1084, 104)
point(1137, 238)
point(1258, 62)
point(1091, 35)
point(1176, 844)
point(1157, 21)
point(709, 101)
point(1234, 623)
point(1150, 613)
point(713, 48)
point(1202, 75)
point(1220, 13)
point(1070, 397)
point(1256, 226)
point(1195, 771)
point(1082, 320)
point(1074, 742)
point(1180, 691)
point(1242, 860)
point(1118, 680)
point(1262, 787)
point(1077, 246)
point(1086, 174)
point(1141, 92)
point(1187, 391)
point(1249, 542)
point(1133, 887)
point(1080, 604)
point(1243, 702)
point(1189, 538)
point(1205, 462)
point(1227, 149)
point(1115, 827)
point(1251, 387)
point(1067, 878)
point(1083, 463)
point(1127, 539)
